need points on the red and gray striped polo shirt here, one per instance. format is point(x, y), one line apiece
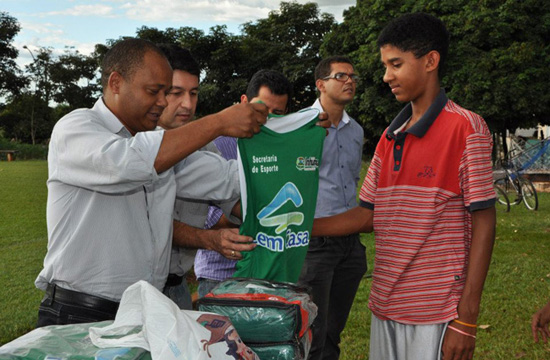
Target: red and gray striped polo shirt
point(423, 184)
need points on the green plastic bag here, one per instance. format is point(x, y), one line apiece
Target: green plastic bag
point(66, 342)
point(294, 350)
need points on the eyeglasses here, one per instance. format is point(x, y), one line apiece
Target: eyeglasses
point(343, 77)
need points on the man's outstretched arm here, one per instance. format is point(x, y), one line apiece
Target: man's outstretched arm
point(239, 120)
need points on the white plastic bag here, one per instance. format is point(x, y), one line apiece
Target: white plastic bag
point(149, 320)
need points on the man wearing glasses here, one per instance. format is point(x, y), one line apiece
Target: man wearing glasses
point(334, 266)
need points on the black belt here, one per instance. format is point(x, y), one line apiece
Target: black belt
point(56, 293)
point(174, 280)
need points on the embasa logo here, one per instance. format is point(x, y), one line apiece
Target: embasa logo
point(307, 163)
point(281, 222)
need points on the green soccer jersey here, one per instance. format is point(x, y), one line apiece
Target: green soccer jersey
point(279, 174)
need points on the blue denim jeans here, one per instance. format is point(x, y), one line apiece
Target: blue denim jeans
point(333, 268)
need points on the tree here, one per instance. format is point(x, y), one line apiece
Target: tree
point(74, 79)
point(11, 80)
point(27, 118)
point(497, 64)
point(40, 71)
point(225, 70)
point(69, 80)
point(289, 40)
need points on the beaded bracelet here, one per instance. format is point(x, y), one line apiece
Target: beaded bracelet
point(460, 331)
point(465, 324)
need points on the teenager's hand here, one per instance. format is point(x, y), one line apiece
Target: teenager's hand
point(457, 346)
point(540, 322)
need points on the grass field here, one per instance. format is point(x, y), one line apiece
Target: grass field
point(517, 285)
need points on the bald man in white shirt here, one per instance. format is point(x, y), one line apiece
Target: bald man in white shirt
point(112, 185)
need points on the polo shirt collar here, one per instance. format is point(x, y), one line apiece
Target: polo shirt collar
point(421, 127)
point(110, 120)
point(345, 117)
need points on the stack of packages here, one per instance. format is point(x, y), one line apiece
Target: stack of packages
point(272, 318)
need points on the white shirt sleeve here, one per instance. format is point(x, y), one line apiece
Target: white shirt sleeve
point(206, 176)
point(85, 153)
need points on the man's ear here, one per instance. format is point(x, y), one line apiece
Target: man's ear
point(115, 82)
point(320, 84)
point(244, 99)
point(432, 60)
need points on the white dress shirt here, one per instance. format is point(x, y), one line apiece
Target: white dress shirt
point(109, 214)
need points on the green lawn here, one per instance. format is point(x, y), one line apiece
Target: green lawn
point(517, 285)
point(23, 240)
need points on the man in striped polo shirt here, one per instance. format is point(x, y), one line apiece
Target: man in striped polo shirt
point(429, 197)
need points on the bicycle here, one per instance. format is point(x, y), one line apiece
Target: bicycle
point(502, 203)
point(517, 189)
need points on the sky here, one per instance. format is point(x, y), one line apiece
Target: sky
point(83, 23)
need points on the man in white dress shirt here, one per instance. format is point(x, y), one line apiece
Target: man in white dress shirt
point(112, 185)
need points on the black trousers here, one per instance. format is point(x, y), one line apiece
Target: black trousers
point(61, 307)
point(333, 268)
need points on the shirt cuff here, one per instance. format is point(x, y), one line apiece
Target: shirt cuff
point(480, 205)
point(366, 204)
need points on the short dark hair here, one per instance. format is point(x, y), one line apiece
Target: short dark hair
point(322, 69)
point(418, 33)
point(274, 80)
point(125, 57)
point(180, 59)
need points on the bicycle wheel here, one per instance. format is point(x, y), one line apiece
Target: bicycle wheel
point(502, 204)
point(529, 194)
point(514, 197)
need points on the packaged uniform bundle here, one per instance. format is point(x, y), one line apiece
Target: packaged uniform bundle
point(66, 342)
point(283, 351)
point(272, 318)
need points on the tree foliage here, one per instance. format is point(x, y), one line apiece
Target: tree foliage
point(11, 80)
point(288, 40)
point(497, 64)
point(74, 79)
point(67, 82)
point(39, 71)
point(27, 118)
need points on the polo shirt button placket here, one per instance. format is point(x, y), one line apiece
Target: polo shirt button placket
point(397, 155)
